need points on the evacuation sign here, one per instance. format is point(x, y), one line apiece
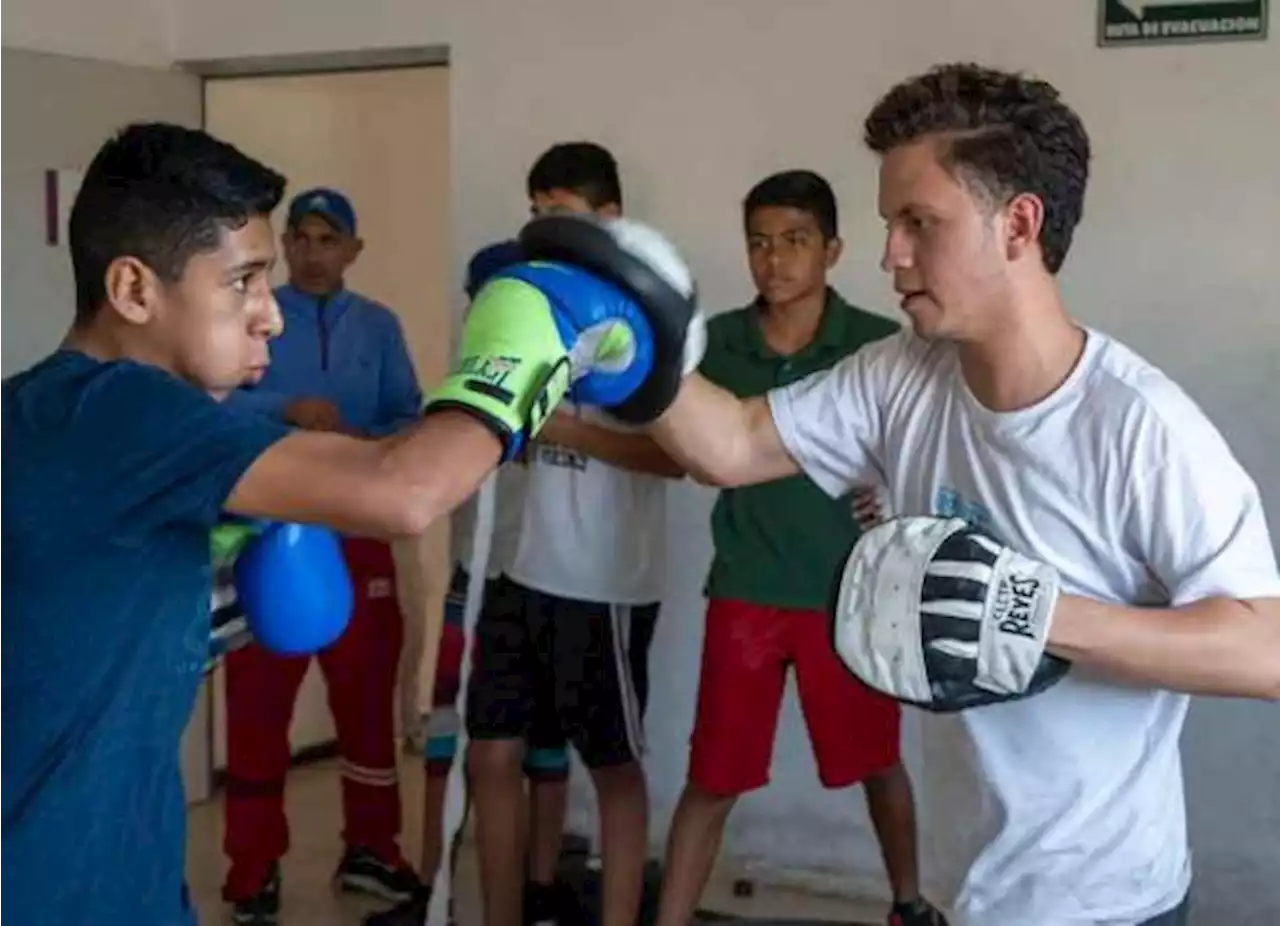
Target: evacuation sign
point(1162, 22)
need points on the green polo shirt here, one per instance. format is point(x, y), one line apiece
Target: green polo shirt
point(781, 543)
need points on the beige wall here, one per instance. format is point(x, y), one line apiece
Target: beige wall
point(217, 30)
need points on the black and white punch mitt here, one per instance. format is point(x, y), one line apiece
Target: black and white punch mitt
point(934, 613)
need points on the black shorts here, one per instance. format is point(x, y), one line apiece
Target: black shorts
point(550, 669)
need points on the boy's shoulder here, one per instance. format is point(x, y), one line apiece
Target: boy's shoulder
point(61, 366)
point(350, 301)
point(372, 310)
point(76, 427)
point(124, 445)
point(69, 385)
point(728, 323)
point(852, 325)
point(860, 326)
point(56, 390)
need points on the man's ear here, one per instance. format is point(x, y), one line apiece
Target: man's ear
point(133, 290)
point(835, 247)
point(609, 211)
point(1024, 218)
point(355, 247)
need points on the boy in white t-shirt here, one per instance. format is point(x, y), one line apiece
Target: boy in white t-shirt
point(570, 647)
point(546, 758)
point(1067, 807)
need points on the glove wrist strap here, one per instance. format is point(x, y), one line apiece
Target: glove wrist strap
point(513, 412)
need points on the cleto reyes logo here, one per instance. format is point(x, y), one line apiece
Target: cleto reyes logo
point(1015, 605)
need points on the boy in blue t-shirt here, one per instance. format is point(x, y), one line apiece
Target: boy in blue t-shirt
point(118, 460)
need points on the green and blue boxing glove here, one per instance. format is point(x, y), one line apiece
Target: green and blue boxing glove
point(602, 311)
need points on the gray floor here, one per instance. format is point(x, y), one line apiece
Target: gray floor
point(314, 804)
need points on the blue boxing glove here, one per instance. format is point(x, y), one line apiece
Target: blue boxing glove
point(611, 350)
point(598, 377)
point(641, 263)
point(593, 312)
point(294, 586)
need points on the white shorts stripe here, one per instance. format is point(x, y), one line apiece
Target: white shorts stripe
point(620, 620)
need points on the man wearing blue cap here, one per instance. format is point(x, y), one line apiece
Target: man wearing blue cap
point(340, 365)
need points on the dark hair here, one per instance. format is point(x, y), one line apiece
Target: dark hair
point(796, 189)
point(580, 167)
point(1005, 135)
point(161, 193)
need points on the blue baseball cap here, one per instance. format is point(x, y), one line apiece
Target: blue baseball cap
point(490, 260)
point(329, 204)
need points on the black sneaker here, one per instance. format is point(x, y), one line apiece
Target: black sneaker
point(412, 912)
point(541, 904)
point(362, 872)
point(263, 908)
point(918, 912)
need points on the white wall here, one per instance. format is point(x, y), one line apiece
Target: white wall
point(124, 31)
point(65, 109)
point(285, 27)
point(699, 100)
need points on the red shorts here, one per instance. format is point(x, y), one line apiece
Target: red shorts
point(745, 653)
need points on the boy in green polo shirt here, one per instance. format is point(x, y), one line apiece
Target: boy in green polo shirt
point(778, 550)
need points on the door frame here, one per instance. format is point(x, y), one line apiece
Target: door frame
point(290, 65)
point(322, 62)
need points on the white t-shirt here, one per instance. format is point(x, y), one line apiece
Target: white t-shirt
point(1067, 807)
point(510, 481)
point(591, 531)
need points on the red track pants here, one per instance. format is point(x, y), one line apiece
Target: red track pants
point(360, 673)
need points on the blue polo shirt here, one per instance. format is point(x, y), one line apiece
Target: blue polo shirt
point(114, 474)
point(344, 348)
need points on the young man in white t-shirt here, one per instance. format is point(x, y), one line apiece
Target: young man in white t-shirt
point(570, 647)
point(1065, 807)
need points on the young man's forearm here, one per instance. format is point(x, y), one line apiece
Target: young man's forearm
point(1218, 646)
point(392, 487)
point(441, 462)
point(722, 440)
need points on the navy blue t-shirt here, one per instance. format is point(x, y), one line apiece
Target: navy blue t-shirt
point(113, 475)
